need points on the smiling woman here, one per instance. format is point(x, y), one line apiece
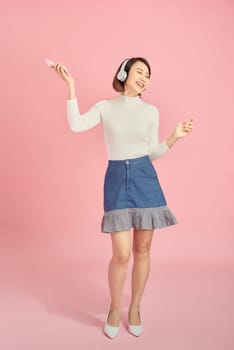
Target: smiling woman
point(133, 196)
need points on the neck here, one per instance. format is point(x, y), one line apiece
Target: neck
point(129, 90)
point(128, 99)
point(130, 94)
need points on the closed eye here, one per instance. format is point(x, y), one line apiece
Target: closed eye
point(147, 76)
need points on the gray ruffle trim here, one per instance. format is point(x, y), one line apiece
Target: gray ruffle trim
point(140, 218)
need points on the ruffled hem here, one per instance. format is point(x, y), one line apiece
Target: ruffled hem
point(140, 218)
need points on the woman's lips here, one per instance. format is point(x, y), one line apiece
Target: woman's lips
point(140, 84)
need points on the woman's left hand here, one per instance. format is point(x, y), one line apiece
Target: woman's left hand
point(183, 129)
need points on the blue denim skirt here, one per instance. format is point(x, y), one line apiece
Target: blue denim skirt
point(133, 197)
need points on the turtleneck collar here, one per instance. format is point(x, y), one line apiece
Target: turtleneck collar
point(130, 99)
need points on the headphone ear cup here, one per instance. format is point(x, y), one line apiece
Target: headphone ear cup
point(122, 75)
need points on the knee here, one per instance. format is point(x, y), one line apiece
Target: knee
point(122, 258)
point(141, 250)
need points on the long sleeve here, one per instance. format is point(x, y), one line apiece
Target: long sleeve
point(78, 122)
point(156, 149)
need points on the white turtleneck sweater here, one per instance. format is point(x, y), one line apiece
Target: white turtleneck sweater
point(131, 126)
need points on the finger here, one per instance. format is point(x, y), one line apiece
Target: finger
point(58, 66)
point(66, 72)
point(63, 70)
point(185, 126)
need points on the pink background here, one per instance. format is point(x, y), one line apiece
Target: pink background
point(54, 257)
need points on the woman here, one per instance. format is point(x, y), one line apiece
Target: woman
point(133, 196)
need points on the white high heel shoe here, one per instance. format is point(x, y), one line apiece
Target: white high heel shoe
point(135, 329)
point(111, 331)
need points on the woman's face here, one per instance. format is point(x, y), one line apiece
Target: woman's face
point(137, 80)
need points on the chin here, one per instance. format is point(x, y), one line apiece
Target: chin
point(139, 90)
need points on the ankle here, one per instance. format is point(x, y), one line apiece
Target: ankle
point(113, 318)
point(115, 308)
point(134, 307)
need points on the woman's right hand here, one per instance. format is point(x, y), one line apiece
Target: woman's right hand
point(60, 69)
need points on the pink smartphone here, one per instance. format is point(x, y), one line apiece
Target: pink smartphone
point(51, 64)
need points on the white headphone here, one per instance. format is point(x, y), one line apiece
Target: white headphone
point(122, 74)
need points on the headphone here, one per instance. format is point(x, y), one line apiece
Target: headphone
point(122, 74)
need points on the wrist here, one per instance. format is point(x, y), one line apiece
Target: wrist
point(71, 85)
point(171, 140)
point(174, 137)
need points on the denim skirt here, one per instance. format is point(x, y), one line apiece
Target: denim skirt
point(133, 197)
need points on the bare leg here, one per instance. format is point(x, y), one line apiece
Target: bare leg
point(141, 250)
point(121, 246)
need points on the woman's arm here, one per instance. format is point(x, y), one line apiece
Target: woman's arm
point(76, 121)
point(71, 90)
point(171, 140)
point(157, 149)
point(182, 129)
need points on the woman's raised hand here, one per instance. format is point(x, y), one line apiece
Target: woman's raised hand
point(184, 128)
point(62, 72)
